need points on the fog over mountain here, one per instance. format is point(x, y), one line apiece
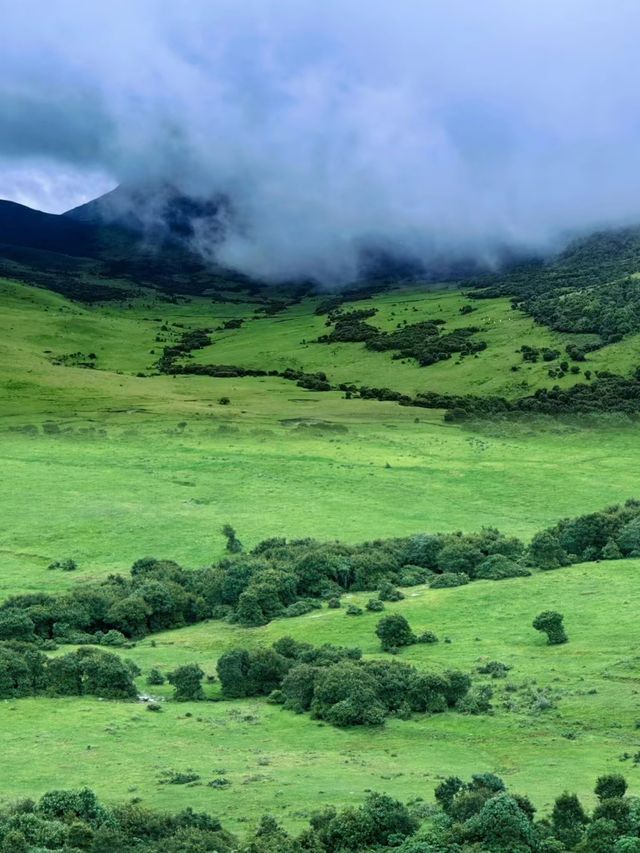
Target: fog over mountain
point(425, 130)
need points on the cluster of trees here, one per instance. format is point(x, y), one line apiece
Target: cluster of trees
point(26, 671)
point(334, 684)
point(589, 287)
point(422, 341)
point(608, 392)
point(609, 534)
point(77, 822)
point(610, 311)
point(478, 816)
point(279, 578)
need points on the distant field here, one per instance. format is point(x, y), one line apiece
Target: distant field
point(155, 465)
point(290, 765)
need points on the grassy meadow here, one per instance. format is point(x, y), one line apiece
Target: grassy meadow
point(105, 466)
point(289, 764)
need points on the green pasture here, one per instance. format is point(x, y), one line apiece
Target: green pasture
point(290, 765)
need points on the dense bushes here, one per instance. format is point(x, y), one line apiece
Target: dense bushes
point(422, 341)
point(469, 817)
point(333, 683)
point(25, 671)
point(280, 578)
point(76, 821)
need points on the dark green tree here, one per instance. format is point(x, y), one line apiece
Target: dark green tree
point(550, 623)
point(394, 631)
point(234, 545)
point(611, 786)
point(187, 681)
point(568, 819)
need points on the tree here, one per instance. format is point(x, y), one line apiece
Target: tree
point(568, 819)
point(501, 826)
point(234, 545)
point(394, 631)
point(546, 552)
point(345, 695)
point(611, 551)
point(629, 537)
point(266, 670)
point(298, 686)
point(233, 669)
point(155, 677)
point(388, 818)
point(550, 622)
point(187, 681)
point(459, 558)
point(610, 786)
point(16, 625)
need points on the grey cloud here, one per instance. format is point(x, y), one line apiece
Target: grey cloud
point(427, 128)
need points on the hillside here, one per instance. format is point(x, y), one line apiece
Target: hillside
point(137, 422)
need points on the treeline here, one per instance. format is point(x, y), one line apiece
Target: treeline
point(280, 578)
point(607, 393)
point(199, 338)
point(477, 816)
point(26, 671)
point(425, 342)
point(334, 684)
point(590, 287)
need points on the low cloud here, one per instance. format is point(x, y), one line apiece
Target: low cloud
point(426, 130)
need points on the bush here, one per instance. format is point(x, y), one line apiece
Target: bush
point(427, 637)
point(389, 593)
point(498, 567)
point(394, 631)
point(353, 610)
point(155, 677)
point(187, 681)
point(550, 622)
point(67, 565)
point(334, 603)
point(374, 605)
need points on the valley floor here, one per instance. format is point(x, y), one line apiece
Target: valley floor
point(106, 466)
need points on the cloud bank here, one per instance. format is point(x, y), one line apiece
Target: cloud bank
point(427, 129)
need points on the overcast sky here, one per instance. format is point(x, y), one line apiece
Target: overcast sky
point(457, 126)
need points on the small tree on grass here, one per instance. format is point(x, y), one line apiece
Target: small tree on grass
point(550, 622)
point(234, 545)
point(394, 631)
point(187, 681)
point(610, 787)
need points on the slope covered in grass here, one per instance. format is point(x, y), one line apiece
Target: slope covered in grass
point(566, 712)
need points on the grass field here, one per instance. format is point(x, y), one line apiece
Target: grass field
point(117, 466)
point(290, 765)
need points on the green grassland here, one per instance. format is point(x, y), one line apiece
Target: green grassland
point(152, 464)
point(290, 765)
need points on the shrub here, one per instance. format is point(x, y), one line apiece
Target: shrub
point(612, 786)
point(550, 622)
point(155, 677)
point(494, 668)
point(427, 637)
point(389, 593)
point(187, 681)
point(611, 551)
point(353, 610)
point(333, 603)
point(374, 605)
point(67, 565)
point(498, 567)
point(394, 631)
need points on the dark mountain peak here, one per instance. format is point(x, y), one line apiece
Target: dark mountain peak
point(158, 211)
